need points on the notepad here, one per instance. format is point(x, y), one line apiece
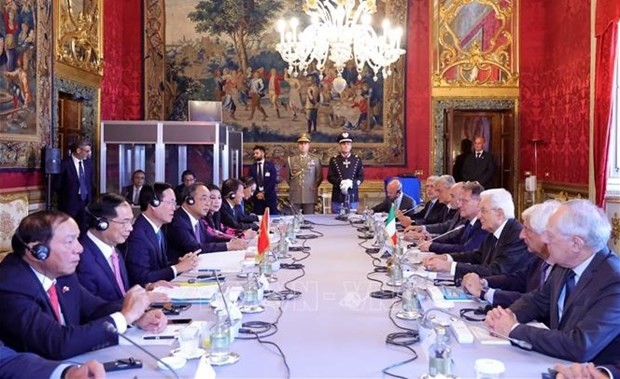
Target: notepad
point(485, 338)
point(455, 294)
point(190, 294)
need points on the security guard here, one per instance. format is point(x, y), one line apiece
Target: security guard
point(304, 177)
point(345, 173)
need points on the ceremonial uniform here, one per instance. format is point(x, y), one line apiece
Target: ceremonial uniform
point(304, 177)
point(345, 168)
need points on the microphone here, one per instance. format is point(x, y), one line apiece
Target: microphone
point(219, 288)
point(110, 328)
point(447, 233)
point(520, 343)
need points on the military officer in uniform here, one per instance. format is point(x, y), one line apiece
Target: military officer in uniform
point(345, 173)
point(304, 177)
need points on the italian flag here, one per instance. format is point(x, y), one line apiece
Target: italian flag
point(390, 227)
point(263, 236)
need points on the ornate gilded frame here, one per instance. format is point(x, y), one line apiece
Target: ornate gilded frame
point(475, 47)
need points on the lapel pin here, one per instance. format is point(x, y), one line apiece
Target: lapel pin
point(65, 289)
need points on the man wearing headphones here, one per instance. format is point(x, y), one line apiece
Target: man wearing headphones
point(394, 195)
point(232, 192)
point(187, 231)
point(45, 309)
point(146, 247)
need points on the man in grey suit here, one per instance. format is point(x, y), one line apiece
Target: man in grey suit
point(581, 298)
point(304, 177)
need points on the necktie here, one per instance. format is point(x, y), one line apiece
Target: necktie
point(117, 271)
point(83, 185)
point(466, 232)
point(478, 155)
point(136, 195)
point(51, 292)
point(260, 173)
point(569, 285)
point(543, 272)
point(197, 231)
point(160, 239)
point(429, 206)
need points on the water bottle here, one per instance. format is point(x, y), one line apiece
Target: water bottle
point(220, 338)
point(395, 271)
point(410, 302)
point(440, 355)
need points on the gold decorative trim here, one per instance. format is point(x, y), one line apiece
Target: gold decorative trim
point(462, 60)
point(156, 87)
point(479, 92)
point(615, 228)
point(564, 191)
point(79, 35)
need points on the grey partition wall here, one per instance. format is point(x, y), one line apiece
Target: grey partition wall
point(163, 149)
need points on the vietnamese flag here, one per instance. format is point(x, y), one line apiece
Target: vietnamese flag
point(263, 235)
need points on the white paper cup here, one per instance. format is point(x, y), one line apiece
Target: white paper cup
point(489, 369)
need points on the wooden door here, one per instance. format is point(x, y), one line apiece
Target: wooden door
point(69, 122)
point(497, 126)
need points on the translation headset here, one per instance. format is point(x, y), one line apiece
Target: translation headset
point(102, 223)
point(231, 196)
point(155, 202)
point(189, 200)
point(40, 251)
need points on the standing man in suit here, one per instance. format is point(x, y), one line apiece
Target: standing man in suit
point(132, 191)
point(102, 268)
point(502, 251)
point(45, 309)
point(186, 232)
point(304, 177)
point(346, 174)
point(394, 195)
point(74, 184)
point(479, 165)
point(505, 289)
point(581, 297)
point(266, 176)
point(146, 246)
point(14, 365)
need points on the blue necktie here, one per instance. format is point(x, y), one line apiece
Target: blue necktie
point(83, 185)
point(543, 273)
point(569, 285)
point(466, 232)
point(160, 239)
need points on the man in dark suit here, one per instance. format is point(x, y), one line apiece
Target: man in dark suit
point(231, 212)
point(472, 235)
point(186, 232)
point(132, 191)
point(432, 212)
point(14, 365)
point(45, 309)
point(74, 184)
point(505, 289)
point(346, 174)
point(145, 251)
point(394, 195)
point(502, 251)
point(581, 297)
point(187, 179)
point(102, 268)
point(479, 165)
point(266, 176)
point(449, 194)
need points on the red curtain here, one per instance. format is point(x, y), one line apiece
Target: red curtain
point(608, 14)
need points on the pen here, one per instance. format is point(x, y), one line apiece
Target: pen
point(158, 337)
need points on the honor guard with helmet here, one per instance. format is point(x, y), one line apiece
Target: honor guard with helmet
point(345, 173)
point(304, 177)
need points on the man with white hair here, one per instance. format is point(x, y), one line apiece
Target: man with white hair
point(581, 298)
point(505, 289)
point(433, 210)
point(502, 251)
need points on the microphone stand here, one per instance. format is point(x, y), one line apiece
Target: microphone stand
point(346, 208)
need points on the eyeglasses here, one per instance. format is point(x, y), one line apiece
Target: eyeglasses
point(485, 210)
point(169, 202)
point(125, 223)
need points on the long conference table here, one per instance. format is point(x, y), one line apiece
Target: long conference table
point(333, 330)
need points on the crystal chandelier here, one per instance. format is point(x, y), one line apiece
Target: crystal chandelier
point(339, 31)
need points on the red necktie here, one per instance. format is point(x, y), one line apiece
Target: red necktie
point(51, 292)
point(117, 271)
